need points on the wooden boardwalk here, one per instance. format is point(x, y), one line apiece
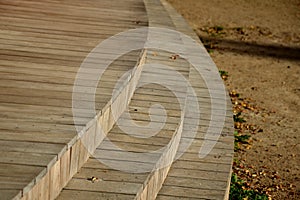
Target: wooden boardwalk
point(43, 44)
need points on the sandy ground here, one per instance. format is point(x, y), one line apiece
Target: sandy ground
point(258, 43)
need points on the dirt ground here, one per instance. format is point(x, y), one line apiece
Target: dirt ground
point(258, 43)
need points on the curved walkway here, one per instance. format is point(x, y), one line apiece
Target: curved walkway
point(43, 44)
point(42, 50)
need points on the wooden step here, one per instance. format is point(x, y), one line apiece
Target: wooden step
point(83, 145)
point(132, 162)
point(41, 150)
point(126, 150)
point(121, 167)
point(191, 176)
point(43, 44)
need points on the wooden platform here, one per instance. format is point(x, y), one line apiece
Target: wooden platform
point(43, 44)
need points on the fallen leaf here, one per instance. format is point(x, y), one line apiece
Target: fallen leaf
point(174, 57)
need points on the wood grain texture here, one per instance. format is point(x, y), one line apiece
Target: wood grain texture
point(43, 44)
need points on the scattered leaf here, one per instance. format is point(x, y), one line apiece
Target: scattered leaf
point(174, 57)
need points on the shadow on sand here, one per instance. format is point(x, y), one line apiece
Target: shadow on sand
point(263, 50)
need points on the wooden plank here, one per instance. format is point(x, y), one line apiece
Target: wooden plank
point(107, 174)
point(44, 191)
point(20, 13)
point(123, 63)
point(178, 192)
point(46, 45)
point(103, 186)
point(83, 195)
point(54, 180)
point(57, 138)
point(216, 156)
point(136, 147)
point(123, 156)
point(83, 154)
point(15, 170)
point(158, 140)
point(195, 183)
point(104, 7)
point(58, 119)
point(49, 86)
point(10, 194)
point(75, 151)
point(65, 175)
point(166, 197)
point(83, 28)
point(40, 108)
point(12, 183)
point(55, 54)
point(95, 163)
point(35, 126)
point(30, 147)
point(25, 158)
point(110, 75)
point(32, 194)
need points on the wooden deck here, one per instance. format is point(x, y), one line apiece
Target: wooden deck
point(43, 44)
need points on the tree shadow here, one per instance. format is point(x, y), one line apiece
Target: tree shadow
point(262, 50)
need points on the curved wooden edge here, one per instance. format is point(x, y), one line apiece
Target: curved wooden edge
point(49, 183)
point(155, 179)
point(182, 26)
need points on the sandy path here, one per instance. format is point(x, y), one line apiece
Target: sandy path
point(258, 43)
